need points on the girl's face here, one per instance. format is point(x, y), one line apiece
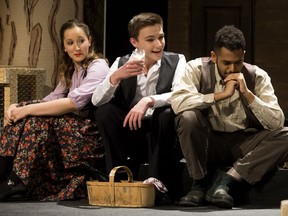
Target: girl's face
point(76, 44)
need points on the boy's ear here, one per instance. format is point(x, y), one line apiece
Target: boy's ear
point(133, 41)
point(213, 57)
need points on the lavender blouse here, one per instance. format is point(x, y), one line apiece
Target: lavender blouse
point(82, 88)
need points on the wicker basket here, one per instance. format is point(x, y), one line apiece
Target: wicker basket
point(121, 194)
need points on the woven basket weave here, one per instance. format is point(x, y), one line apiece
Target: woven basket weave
point(121, 194)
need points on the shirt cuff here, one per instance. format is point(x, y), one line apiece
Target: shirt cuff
point(158, 101)
point(256, 104)
point(209, 98)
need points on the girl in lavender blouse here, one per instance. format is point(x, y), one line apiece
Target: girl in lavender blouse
point(46, 142)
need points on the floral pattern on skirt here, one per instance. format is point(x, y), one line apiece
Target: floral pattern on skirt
point(49, 151)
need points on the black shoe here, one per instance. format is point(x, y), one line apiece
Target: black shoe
point(162, 199)
point(218, 192)
point(94, 173)
point(10, 188)
point(195, 197)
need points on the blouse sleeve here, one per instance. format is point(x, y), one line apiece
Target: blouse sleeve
point(81, 94)
point(82, 85)
point(59, 92)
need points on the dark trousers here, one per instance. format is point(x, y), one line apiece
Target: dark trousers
point(154, 142)
point(251, 152)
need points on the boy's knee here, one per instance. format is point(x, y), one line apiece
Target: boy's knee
point(189, 118)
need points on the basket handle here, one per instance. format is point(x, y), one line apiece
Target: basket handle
point(111, 180)
point(116, 169)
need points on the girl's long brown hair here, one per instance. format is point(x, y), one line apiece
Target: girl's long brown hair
point(66, 67)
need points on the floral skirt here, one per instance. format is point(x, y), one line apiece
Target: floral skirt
point(49, 153)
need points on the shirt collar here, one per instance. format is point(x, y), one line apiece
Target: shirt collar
point(156, 66)
point(219, 79)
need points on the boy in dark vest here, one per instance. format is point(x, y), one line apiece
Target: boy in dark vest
point(227, 114)
point(134, 114)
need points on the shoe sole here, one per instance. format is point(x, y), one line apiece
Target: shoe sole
point(219, 202)
point(190, 204)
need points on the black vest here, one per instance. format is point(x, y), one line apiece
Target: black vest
point(208, 81)
point(127, 88)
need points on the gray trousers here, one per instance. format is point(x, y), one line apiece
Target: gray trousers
point(251, 153)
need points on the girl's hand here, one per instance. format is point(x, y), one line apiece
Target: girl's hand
point(19, 113)
point(8, 115)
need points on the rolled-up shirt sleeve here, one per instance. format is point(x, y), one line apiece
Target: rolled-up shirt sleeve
point(265, 105)
point(186, 92)
point(104, 92)
point(96, 73)
point(59, 92)
point(82, 86)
